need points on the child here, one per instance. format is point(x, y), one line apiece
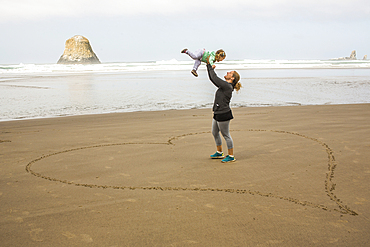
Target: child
point(201, 56)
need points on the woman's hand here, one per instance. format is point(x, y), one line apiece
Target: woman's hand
point(213, 66)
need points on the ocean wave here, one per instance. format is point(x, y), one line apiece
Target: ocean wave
point(173, 65)
point(49, 90)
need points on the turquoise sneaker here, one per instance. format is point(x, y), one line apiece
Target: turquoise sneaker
point(217, 155)
point(228, 159)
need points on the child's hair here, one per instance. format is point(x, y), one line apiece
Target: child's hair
point(220, 54)
point(236, 84)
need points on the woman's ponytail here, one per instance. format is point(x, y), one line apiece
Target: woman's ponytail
point(236, 84)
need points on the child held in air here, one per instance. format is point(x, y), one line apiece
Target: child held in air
point(201, 56)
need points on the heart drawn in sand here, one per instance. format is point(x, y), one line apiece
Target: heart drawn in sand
point(119, 166)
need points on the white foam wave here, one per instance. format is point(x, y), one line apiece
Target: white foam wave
point(173, 64)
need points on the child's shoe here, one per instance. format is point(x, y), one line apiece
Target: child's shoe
point(194, 73)
point(184, 50)
point(217, 155)
point(228, 159)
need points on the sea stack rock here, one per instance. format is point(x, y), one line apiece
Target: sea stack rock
point(78, 51)
point(365, 57)
point(353, 56)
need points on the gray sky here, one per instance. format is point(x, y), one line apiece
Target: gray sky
point(35, 31)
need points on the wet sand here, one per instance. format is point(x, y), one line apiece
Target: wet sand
point(145, 179)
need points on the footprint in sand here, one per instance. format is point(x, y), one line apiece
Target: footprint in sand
point(35, 234)
point(86, 238)
point(68, 235)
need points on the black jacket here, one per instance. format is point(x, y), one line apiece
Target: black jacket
point(223, 94)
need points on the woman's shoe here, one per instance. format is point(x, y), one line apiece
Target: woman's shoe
point(194, 73)
point(217, 155)
point(228, 159)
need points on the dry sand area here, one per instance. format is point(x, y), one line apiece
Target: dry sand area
point(301, 178)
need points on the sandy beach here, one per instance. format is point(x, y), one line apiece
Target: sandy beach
point(145, 179)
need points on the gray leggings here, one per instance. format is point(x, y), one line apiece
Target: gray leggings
point(197, 56)
point(224, 128)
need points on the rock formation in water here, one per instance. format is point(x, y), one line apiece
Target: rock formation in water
point(78, 51)
point(365, 57)
point(353, 56)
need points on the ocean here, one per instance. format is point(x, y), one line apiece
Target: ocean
point(52, 90)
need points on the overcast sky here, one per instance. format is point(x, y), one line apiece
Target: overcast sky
point(35, 31)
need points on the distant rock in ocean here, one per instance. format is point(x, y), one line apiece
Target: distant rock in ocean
point(351, 57)
point(78, 51)
point(365, 57)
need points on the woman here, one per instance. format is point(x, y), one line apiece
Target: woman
point(222, 111)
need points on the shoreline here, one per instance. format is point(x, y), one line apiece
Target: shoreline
point(94, 114)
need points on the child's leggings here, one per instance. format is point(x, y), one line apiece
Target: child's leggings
point(197, 56)
point(224, 128)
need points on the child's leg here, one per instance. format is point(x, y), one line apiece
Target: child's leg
point(196, 65)
point(197, 55)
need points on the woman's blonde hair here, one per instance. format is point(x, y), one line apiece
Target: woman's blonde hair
point(220, 54)
point(237, 85)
